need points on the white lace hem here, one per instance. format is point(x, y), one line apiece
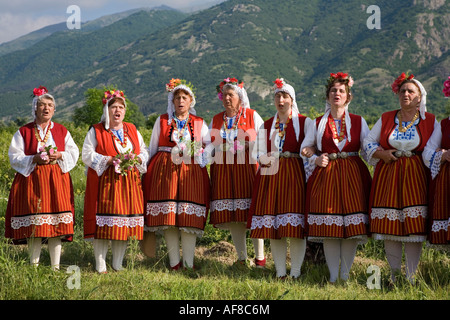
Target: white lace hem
point(401, 215)
point(439, 225)
point(411, 238)
point(41, 219)
point(267, 221)
point(156, 208)
point(231, 204)
point(339, 220)
point(118, 221)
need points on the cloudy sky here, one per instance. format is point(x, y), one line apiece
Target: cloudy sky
point(19, 17)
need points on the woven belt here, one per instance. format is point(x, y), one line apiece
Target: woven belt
point(400, 153)
point(165, 149)
point(342, 155)
point(285, 154)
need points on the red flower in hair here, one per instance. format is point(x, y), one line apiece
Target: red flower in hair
point(279, 83)
point(399, 81)
point(40, 91)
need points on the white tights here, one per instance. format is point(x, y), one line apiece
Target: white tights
point(394, 250)
point(339, 252)
point(188, 240)
point(279, 254)
point(239, 235)
point(118, 249)
point(54, 248)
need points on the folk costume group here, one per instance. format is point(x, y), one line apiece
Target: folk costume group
point(288, 179)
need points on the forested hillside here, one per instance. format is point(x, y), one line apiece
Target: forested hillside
point(254, 40)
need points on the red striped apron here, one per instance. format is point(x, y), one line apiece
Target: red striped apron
point(232, 179)
point(42, 204)
point(176, 194)
point(278, 202)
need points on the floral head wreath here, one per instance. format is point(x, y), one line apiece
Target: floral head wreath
point(446, 89)
point(171, 87)
point(110, 94)
point(173, 83)
point(232, 81)
point(340, 75)
point(396, 85)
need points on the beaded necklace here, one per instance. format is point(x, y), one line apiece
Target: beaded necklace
point(235, 124)
point(122, 143)
point(401, 128)
point(341, 136)
point(282, 130)
point(180, 133)
point(42, 142)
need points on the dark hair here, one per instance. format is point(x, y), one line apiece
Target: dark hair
point(113, 100)
point(347, 89)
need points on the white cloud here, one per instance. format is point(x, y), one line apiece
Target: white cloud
point(20, 17)
point(16, 25)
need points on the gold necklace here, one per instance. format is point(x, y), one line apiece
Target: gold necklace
point(38, 137)
point(401, 128)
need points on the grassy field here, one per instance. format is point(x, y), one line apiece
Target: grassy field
point(215, 277)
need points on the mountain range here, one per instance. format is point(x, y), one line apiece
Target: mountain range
point(253, 40)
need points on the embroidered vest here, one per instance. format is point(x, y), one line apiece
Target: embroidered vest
point(328, 144)
point(31, 143)
point(246, 124)
point(290, 143)
point(424, 129)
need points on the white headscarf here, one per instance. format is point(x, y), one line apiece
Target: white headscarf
point(105, 115)
point(171, 106)
point(287, 88)
point(423, 101)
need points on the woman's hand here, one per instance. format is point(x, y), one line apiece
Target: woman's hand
point(445, 156)
point(308, 152)
point(37, 159)
point(55, 156)
point(386, 155)
point(265, 160)
point(322, 160)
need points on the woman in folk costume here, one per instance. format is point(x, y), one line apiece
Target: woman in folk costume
point(398, 199)
point(338, 180)
point(176, 186)
point(436, 156)
point(278, 203)
point(233, 167)
point(41, 202)
point(115, 154)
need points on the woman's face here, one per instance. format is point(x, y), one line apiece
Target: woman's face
point(337, 97)
point(45, 109)
point(283, 102)
point(182, 102)
point(409, 95)
point(116, 113)
point(231, 100)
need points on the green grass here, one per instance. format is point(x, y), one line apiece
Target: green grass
point(215, 276)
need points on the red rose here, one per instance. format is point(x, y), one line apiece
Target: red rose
point(39, 91)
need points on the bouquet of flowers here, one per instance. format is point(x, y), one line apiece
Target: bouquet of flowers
point(124, 162)
point(191, 148)
point(46, 151)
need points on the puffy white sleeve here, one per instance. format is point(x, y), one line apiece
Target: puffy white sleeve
point(431, 155)
point(90, 158)
point(372, 142)
point(142, 167)
point(69, 155)
point(364, 132)
point(154, 140)
point(261, 144)
point(309, 141)
point(19, 161)
point(203, 158)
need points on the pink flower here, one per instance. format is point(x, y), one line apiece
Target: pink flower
point(220, 95)
point(44, 156)
point(51, 151)
point(350, 81)
point(42, 149)
point(182, 146)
